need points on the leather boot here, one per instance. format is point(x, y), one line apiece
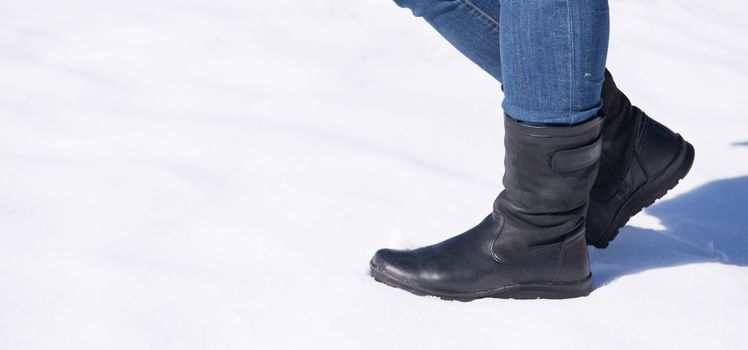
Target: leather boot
point(641, 160)
point(532, 245)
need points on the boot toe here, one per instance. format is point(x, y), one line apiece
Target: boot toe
point(392, 264)
point(418, 271)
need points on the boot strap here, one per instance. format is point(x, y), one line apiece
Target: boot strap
point(578, 158)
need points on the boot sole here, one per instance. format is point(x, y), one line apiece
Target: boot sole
point(649, 193)
point(518, 291)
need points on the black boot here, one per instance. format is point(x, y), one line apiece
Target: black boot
point(642, 160)
point(533, 243)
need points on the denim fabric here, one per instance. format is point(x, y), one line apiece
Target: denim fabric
point(549, 54)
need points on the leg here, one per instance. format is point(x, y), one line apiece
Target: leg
point(553, 56)
point(550, 46)
point(533, 242)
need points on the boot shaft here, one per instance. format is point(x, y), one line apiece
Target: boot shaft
point(549, 172)
point(550, 168)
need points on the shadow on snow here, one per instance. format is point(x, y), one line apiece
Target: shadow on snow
point(708, 224)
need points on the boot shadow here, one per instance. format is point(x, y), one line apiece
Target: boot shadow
point(708, 224)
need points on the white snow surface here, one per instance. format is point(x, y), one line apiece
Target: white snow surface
point(217, 174)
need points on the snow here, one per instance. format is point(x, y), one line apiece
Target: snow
point(216, 175)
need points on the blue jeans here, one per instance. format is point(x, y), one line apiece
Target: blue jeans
point(548, 54)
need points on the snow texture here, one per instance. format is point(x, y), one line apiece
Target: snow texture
point(216, 175)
